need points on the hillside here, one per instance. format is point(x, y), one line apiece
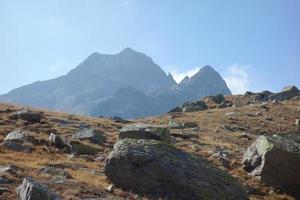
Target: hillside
point(230, 130)
point(93, 87)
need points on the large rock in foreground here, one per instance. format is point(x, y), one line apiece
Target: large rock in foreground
point(145, 131)
point(33, 190)
point(153, 168)
point(276, 160)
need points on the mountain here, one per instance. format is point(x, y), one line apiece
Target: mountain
point(127, 84)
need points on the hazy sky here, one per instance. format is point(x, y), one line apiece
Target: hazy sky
point(254, 44)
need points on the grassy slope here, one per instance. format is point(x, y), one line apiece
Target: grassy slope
point(209, 137)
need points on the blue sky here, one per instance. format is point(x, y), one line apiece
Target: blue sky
point(254, 44)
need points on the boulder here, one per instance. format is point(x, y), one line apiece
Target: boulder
point(145, 131)
point(194, 106)
point(54, 171)
point(29, 116)
point(33, 190)
point(17, 141)
point(174, 124)
point(190, 124)
point(218, 99)
point(226, 104)
point(153, 168)
point(286, 94)
point(94, 136)
point(276, 161)
point(57, 141)
point(79, 148)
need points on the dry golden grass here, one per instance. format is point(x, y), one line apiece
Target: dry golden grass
point(211, 137)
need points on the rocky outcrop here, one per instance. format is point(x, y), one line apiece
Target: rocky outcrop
point(27, 115)
point(194, 106)
point(175, 110)
point(287, 93)
point(33, 190)
point(17, 141)
point(153, 168)
point(145, 131)
point(276, 161)
point(94, 136)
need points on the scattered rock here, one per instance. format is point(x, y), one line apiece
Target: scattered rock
point(222, 158)
point(286, 94)
point(145, 131)
point(90, 135)
point(33, 190)
point(226, 104)
point(109, 188)
point(176, 109)
point(276, 160)
point(194, 106)
point(2, 190)
point(190, 124)
point(5, 180)
point(57, 141)
point(151, 167)
point(297, 122)
point(229, 113)
point(54, 171)
point(26, 115)
point(79, 148)
point(17, 141)
point(174, 124)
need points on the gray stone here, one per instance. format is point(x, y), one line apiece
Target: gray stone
point(94, 136)
point(57, 141)
point(276, 161)
point(153, 168)
point(17, 141)
point(5, 180)
point(190, 124)
point(54, 171)
point(145, 131)
point(194, 106)
point(286, 94)
point(174, 124)
point(79, 148)
point(33, 190)
point(29, 116)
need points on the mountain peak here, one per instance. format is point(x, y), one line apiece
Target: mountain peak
point(128, 50)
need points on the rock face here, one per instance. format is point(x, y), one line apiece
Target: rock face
point(286, 93)
point(17, 141)
point(90, 135)
point(33, 190)
point(153, 168)
point(276, 160)
point(194, 106)
point(145, 131)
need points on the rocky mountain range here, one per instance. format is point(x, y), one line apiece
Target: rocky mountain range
point(128, 84)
